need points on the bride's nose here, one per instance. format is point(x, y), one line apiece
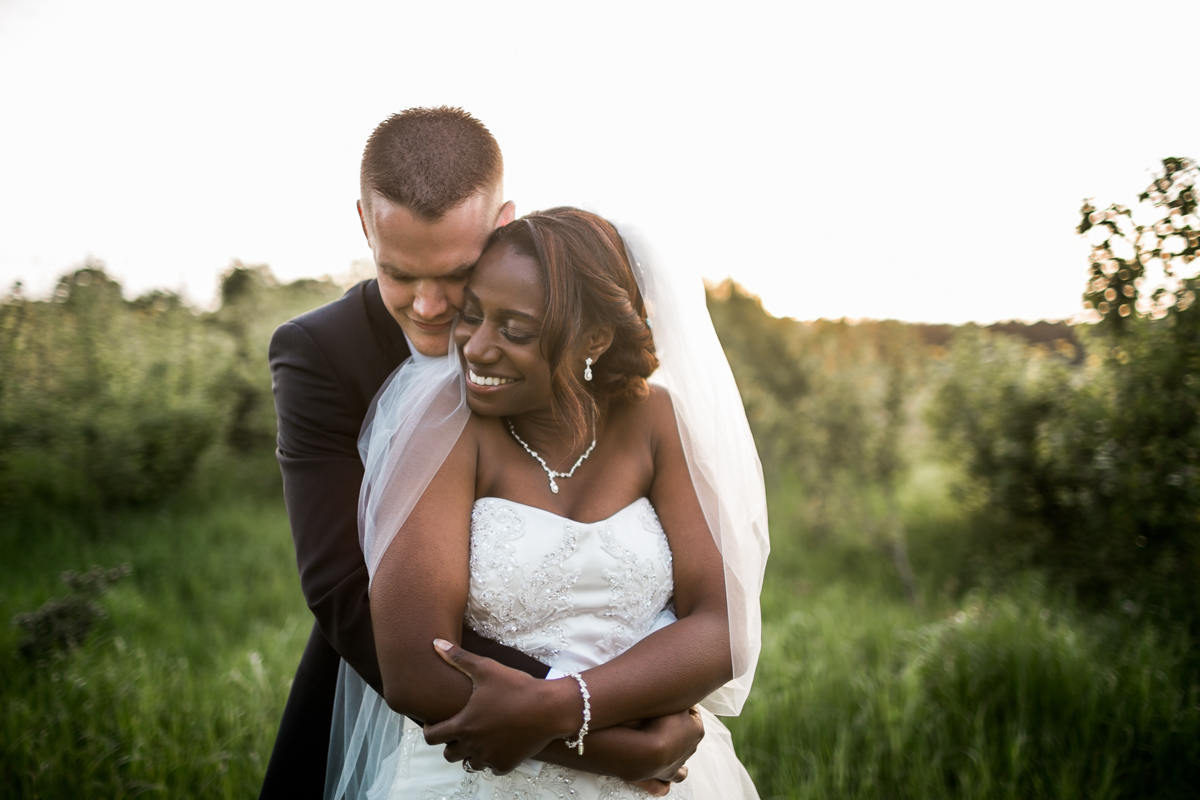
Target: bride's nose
point(480, 347)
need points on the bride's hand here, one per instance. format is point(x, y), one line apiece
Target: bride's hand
point(510, 717)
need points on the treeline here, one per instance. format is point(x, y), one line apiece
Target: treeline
point(109, 402)
point(1077, 447)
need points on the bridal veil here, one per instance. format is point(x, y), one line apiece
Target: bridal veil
point(418, 416)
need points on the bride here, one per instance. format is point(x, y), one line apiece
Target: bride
point(537, 486)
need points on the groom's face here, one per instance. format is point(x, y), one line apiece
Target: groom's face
point(422, 265)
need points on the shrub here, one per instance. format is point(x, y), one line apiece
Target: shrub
point(106, 402)
point(64, 623)
point(102, 402)
point(1092, 471)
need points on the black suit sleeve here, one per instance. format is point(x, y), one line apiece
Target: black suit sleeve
point(322, 473)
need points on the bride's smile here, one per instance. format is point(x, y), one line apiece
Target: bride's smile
point(487, 380)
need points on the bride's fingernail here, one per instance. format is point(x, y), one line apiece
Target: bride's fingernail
point(442, 644)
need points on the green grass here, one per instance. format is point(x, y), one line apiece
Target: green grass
point(180, 691)
point(858, 695)
point(1012, 694)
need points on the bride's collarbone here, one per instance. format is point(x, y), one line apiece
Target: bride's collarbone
point(596, 491)
point(618, 471)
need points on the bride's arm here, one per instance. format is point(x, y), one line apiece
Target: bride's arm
point(419, 592)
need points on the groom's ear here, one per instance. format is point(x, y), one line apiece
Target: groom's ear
point(362, 219)
point(508, 212)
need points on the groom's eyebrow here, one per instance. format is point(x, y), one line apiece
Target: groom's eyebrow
point(396, 273)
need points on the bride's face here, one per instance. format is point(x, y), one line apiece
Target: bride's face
point(499, 334)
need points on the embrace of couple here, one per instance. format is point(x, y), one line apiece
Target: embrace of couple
point(527, 509)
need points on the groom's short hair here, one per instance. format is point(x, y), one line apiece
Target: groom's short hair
point(429, 160)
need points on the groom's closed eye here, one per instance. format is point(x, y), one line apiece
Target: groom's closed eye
point(458, 276)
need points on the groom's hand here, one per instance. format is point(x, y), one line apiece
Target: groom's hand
point(648, 754)
point(671, 740)
point(510, 717)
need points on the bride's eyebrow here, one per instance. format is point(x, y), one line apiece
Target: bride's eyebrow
point(504, 312)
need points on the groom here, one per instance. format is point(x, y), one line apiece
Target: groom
point(431, 194)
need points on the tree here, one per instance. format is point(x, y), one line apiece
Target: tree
point(1092, 472)
point(1124, 254)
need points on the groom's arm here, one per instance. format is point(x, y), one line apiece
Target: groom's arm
point(318, 457)
point(321, 475)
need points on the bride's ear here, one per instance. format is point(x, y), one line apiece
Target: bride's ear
point(597, 342)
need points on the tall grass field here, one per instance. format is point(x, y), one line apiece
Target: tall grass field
point(859, 693)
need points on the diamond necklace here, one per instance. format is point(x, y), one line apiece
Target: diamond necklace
point(551, 474)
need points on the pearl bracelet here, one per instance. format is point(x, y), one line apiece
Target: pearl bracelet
point(587, 712)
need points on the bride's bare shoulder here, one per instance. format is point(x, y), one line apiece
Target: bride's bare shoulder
point(476, 434)
point(480, 432)
point(654, 414)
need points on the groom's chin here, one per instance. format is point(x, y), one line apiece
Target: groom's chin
point(429, 344)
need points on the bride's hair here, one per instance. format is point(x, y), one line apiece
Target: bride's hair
point(589, 284)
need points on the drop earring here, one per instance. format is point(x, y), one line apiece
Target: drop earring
point(587, 369)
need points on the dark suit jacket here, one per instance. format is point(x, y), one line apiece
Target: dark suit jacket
point(326, 366)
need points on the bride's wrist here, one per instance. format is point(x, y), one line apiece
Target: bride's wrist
point(564, 704)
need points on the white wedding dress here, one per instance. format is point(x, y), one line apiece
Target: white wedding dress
point(573, 595)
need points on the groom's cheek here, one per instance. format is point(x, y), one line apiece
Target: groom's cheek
point(455, 294)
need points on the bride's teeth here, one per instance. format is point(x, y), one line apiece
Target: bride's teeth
point(479, 380)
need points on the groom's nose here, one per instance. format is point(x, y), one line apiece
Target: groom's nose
point(429, 300)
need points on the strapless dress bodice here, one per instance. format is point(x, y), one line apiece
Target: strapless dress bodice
point(571, 594)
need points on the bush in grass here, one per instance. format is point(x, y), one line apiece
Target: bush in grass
point(1092, 472)
point(64, 623)
point(183, 700)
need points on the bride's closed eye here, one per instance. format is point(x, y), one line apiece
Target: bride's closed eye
point(472, 316)
point(517, 336)
point(471, 313)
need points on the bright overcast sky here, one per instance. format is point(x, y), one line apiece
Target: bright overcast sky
point(915, 160)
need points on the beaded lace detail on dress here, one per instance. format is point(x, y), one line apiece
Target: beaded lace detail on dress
point(523, 587)
point(522, 613)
